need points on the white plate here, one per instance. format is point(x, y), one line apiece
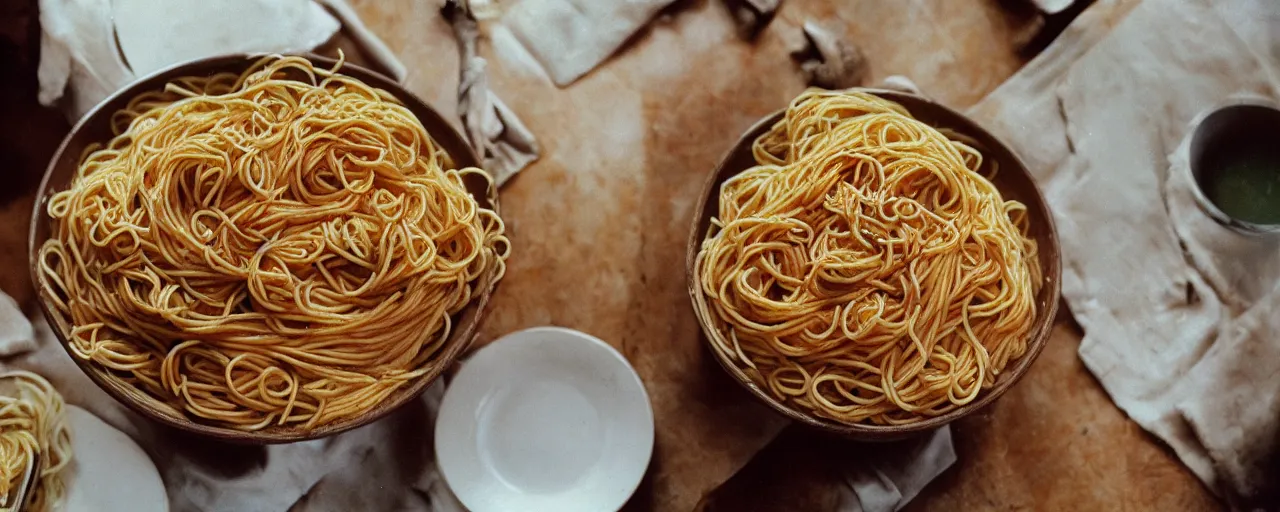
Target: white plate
point(546, 419)
point(109, 472)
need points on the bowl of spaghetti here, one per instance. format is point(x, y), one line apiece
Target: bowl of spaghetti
point(873, 264)
point(265, 248)
point(35, 443)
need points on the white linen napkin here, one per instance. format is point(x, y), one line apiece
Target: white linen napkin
point(153, 35)
point(891, 475)
point(76, 61)
point(91, 48)
point(571, 37)
point(501, 140)
point(1178, 313)
point(81, 63)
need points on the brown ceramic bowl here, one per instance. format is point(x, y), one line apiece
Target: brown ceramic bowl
point(1013, 181)
point(95, 128)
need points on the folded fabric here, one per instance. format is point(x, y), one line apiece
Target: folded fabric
point(369, 42)
point(82, 62)
point(890, 475)
point(79, 63)
point(571, 37)
point(829, 60)
point(496, 133)
point(1233, 403)
point(92, 48)
point(752, 15)
point(1234, 409)
point(1178, 313)
point(153, 35)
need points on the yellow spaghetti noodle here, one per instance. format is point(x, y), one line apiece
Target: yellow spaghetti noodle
point(863, 270)
point(32, 421)
point(280, 247)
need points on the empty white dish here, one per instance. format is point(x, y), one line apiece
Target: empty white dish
point(109, 472)
point(546, 419)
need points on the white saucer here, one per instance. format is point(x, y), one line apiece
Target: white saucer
point(109, 472)
point(546, 419)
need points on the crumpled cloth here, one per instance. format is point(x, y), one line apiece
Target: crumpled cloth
point(369, 42)
point(752, 16)
point(83, 62)
point(890, 475)
point(503, 142)
point(78, 61)
point(829, 60)
point(154, 35)
point(571, 37)
point(1179, 314)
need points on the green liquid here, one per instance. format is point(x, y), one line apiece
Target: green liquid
point(1246, 184)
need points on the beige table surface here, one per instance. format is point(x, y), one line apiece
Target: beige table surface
point(599, 226)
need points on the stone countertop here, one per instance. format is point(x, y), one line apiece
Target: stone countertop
point(599, 228)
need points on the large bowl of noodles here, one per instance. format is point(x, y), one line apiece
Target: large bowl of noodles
point(873, 264)
point(291, 254)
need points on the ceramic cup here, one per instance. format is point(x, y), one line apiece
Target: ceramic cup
point(1242, 125)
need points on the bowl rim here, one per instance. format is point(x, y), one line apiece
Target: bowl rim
point(1038, 337)
point(461, 338)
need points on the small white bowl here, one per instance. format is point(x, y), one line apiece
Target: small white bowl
point(546, 419)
